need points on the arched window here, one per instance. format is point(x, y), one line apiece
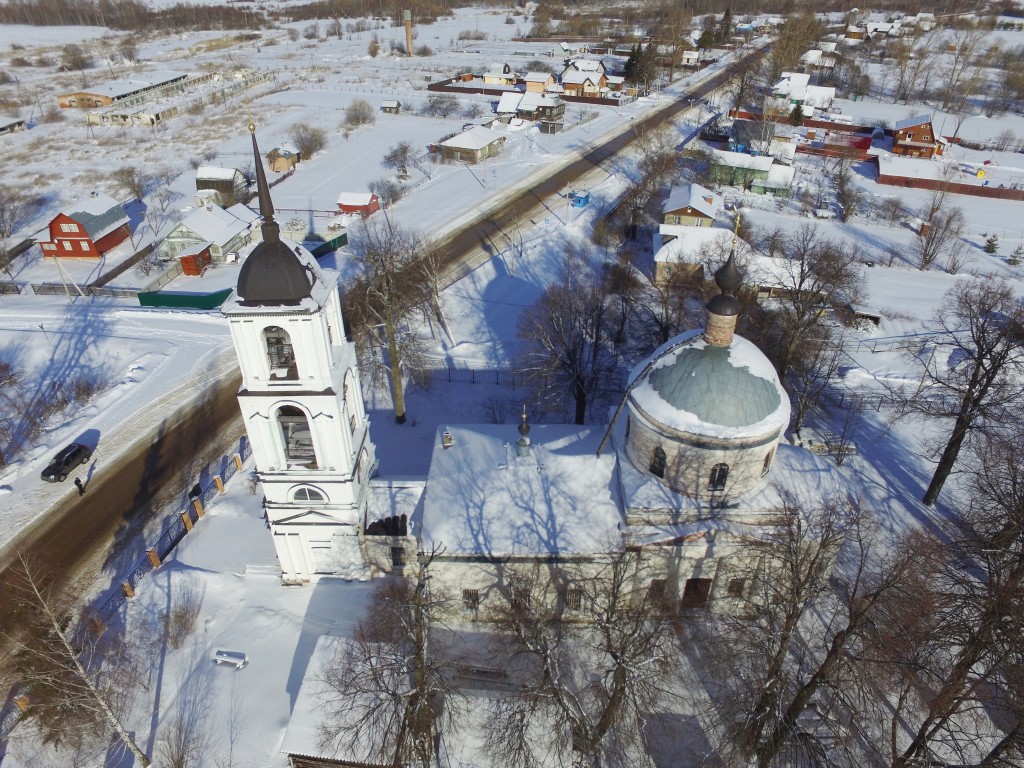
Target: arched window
point(658, 461)
point(297, 437)
point(719, 474)
point(279, 353)
point(767, 462)
point(308, 494)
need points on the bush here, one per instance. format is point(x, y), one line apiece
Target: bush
point(359, 112)
point(20, 61)
point(396, 47)
point(424, 50)
point(388, 190)
point(472, 34)
point(74, 57)
point(52, 114)
point(374, 47)
point(4, 77)
point(312, 32)
point(441, 105)
point(308, 139)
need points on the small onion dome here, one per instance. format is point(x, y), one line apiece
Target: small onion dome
point(720, 392)
point(524, 428)
point(272, 274)
point(728, 279)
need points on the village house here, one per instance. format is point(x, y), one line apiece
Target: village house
point(795, 88)
point(691, 205)
point(283, 159)
point(689, 58)
point(360, 203)
point(915, 137)
point(584, 77)
point(88, 228)
point(228, 185)
point(219, 230)
point(530, 106)
point(472, 146)
point(682, 251)
point(499, 74)
point(755, 174)
point(391, 106)
point(105, 94)
point(538, 82)
point(195, 259)
point(763, 137)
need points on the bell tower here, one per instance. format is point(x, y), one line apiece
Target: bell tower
point(301, 402)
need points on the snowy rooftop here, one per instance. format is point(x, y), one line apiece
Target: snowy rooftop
point(216, 173)
point(693, 196)
point(740, 160)
point(355, 198)
point(118, 88)
point(688, 242)
point(218, 225)
point(910, 122)
point(537, 77)
point(477, 137)
point(482, 499)
point(702, 389)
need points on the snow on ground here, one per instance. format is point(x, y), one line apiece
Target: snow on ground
point(154, 357)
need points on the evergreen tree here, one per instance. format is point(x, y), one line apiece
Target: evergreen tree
point(725, 27)
point(992, 244)
point(706, 40)
point(796, 117)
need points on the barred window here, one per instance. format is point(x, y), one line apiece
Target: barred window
point(471, 599)
point(658, 461)
point(398, 557)
point(719, 474)
point(656, 590)
point(574, 598)
point(735, 588)
point(520, 596)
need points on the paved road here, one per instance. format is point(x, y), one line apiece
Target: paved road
point(74, 536)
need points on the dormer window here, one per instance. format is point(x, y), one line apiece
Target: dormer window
point(280, 355)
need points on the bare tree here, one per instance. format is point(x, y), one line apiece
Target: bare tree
point(399, 157)
point(963, 65)
point(17, 207)
point(940, 230)
point(70, 675)
point(975, 373)
point(132, 180)
point(806, 593)
point(814, 272)
point(389, 694)
point(359, 112)
point(184, 736)
point(656, 163)
point(595, 655)
point(392, 284)
point(848, 195)
point(811, 374)
point(308, 139)
point(567, 348)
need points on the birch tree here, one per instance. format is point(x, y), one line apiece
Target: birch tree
point(71, 677)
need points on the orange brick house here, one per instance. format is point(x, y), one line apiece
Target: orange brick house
point(93, 226)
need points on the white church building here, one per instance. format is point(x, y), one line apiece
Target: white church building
point(692, 466)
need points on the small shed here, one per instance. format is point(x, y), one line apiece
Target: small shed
point(391, 106)
point(283, 159)
point(195, 259)
point(362, 203)
point(229, 183)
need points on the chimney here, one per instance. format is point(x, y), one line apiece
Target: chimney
point(407, 18)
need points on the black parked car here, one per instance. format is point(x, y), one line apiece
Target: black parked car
point(65, 461)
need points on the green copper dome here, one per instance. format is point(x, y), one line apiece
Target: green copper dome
point(705, 382)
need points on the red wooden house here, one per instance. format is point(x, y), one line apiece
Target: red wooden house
point(195, 259)
point(363, 203)
point(94, 225)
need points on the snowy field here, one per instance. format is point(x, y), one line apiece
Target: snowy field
point(151, 358)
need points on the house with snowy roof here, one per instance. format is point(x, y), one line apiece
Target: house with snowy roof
point(88, 228)
point(795, 88)
point(499, 73)
point(584, 77)
point(106, 94)
point(530, 106)
point(223, 231)
point(691, 205)
point(682, 251)
point(914, 137)
point(360, 203)
point(283, 158)
point(538, 82)
point(472, 146)
point(227, 185)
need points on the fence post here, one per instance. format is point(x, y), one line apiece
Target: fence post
point(154, 558)
point(186, 519)
point(238, 462)
point(198, 504)
point(219, 483)
point(126, 587)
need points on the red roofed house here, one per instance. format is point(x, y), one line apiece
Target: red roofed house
point(95, 225)
point(914, 137)
point(363, 203)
